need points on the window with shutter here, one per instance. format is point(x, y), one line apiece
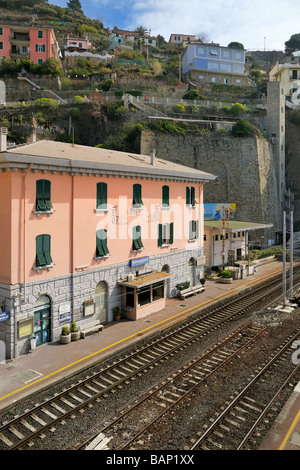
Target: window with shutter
point(165, 234)
point(193, 229)
point(165, 196)
point(43, 255)
point(102, 196)
point(136, 239)
point(137, 195)
point(43, 196)
point(101, 243)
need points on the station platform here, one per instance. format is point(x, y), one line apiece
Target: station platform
point(54, 362)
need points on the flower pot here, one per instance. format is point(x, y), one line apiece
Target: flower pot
point(65, 339)
point(75, 335)
point(225, 280)
point(117, 317)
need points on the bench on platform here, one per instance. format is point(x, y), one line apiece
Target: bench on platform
point(191, 291)
point(90, 327)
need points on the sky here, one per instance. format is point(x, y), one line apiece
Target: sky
point(257, 24)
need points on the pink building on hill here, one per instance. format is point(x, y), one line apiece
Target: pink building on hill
point(87, 229)
point(34, 43)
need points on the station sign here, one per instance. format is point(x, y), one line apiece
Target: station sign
point(4, 316)
point(139, 261)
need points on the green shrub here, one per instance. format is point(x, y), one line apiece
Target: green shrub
point(183, 285)
point(226, 274)
point(180, 108)
point(106, 84)
point(48, 103)
point(192, 95)
point(65, 330)
point(242, 128)
point(77, 99)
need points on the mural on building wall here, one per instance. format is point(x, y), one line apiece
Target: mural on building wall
point(220, 211)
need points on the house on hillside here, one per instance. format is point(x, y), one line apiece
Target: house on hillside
point(120, 37)
point(287, 72)
point(178, 40)
point(21, 42)
point(77, 48)
point(212, 63)
point(87, 229)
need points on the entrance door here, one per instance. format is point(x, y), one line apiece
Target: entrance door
point(101, 302)
point(191, 272)
point(42, 320)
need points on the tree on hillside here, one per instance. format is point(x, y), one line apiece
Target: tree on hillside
point(235, 45)
point(293, 44)
point(74, 5)
point(141, 30)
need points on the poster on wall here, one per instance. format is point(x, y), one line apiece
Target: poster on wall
point(220, 211)
point(65, 312)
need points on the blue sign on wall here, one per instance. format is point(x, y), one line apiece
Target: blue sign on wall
point(4, 316)
point(139, 261)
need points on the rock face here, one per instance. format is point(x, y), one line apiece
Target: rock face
point(245, 170)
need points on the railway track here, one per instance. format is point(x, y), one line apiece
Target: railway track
point(138, 419)
point(23, 430)
point(242, 416)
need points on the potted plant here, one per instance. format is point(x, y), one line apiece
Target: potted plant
point(75, 333)
point(65, 336)
point(203, 281)
point(117, 312)
point(226, 277)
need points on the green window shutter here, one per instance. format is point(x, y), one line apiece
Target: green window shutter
point(188, 196)
point(191, 230)
point(36, 48)
point(40, 201)
point(196, 229)
point(101, 243)
point(137, 194)
point(101, 196)
point(171, 233)
point(40, 258)
point(46, 248)
point(47, 194)
point(165, 195)
point(137, 242)
point(193, 200)
point(160, 235)
point(44, 48)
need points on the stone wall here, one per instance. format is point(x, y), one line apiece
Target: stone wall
point(245, 170)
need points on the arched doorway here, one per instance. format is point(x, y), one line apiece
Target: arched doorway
point(42, 320)
point(166, 269)
point(191, 272)
point(101, 302)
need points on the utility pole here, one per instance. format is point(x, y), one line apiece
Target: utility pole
point(291, 254)
point(284, 258)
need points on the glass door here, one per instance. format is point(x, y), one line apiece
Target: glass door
point(42, 324)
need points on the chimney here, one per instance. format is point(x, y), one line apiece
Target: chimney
point(153, 157)
point(3, 139)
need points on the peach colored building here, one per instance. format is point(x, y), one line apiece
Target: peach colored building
point(86, 229)
point(34, 43)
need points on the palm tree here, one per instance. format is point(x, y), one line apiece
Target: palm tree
point(141, 30)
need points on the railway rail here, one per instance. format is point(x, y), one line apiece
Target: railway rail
point(23, 430)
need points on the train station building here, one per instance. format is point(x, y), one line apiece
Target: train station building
point(85, 230)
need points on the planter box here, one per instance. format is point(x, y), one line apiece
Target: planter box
point(75, 335)
point(224, 280)
point(65, 339)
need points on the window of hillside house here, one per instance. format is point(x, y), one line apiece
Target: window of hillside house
point(165, 234)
